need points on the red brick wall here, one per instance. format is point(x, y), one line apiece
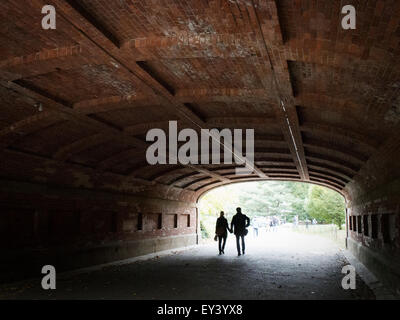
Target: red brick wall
point(374, 196)
point(47, 219)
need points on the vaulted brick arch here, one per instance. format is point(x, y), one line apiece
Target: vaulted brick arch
point(324, 103)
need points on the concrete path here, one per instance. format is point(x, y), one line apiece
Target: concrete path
point(280, 265)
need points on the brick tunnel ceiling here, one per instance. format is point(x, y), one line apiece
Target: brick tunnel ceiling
point(112, 70)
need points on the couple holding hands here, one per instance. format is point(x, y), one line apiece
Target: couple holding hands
point(239, 224)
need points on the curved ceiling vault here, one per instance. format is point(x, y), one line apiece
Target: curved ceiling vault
point(114, 69)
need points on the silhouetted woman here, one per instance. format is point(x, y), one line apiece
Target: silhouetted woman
point(221, 231)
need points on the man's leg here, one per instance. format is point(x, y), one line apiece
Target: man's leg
point(243, 246)
point(238, 245)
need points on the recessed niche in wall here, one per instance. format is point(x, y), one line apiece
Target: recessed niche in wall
point(159, 221)
point(387, 220)
point(171, 221)
point(374, 226)
point(140, 222)
point(365, 224)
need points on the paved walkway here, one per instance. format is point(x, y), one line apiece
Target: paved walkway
point(280, 265)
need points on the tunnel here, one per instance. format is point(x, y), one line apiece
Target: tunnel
point(77, 101)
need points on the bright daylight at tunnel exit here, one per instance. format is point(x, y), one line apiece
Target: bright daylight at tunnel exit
point(196, 155)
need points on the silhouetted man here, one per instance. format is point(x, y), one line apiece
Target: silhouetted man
point(221, 232)
point(238, 225)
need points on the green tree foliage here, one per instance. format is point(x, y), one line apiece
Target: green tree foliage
point(326, 206)
point(299, 196)
point(204, 231)
point(265, 199)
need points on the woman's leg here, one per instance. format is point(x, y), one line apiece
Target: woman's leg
point(223, 244)
point(243, 246)
point(219, 243)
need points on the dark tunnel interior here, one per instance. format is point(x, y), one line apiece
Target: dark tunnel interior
point(77, 102)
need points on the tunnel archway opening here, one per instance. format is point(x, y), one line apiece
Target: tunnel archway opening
point(278, 210)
